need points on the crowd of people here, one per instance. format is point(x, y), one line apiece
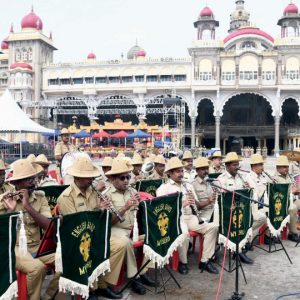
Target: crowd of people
point(115, 181)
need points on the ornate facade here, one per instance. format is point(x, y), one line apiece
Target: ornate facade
point(245, 86)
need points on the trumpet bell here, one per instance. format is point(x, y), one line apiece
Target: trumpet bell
point(148, 168)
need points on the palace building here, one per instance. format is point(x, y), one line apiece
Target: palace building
point(245, 86)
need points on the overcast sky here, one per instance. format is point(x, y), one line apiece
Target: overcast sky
point(110, 27)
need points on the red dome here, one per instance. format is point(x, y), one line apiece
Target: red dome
point(32, 21)
point(91, 56)
point(20, 66)
point(291, 9)
point(141, 53)
point(248, 30)
point(4, 44)
point(206, 12)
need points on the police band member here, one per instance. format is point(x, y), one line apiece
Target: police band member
point(36, 216)
point(204, 191)
point(216, 163)
point(80, 196)
point(295, 165)
point(43, 178)
point(136, 174)
point(125, 200)
point(282, 176)
point(231, 180)
point(159, 168)
point(174, 169)
point(189, 173)
point(102, 182)
point(4, 186)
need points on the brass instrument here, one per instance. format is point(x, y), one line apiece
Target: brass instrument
point(112, 209)
point(242, 170)
point(270, 177)
point(245, 183)
point(12, 194)
point(194, 207)
point(148, 168)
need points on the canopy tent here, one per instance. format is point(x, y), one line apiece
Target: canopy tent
point(139, 134)
point(121, 134)
point(101, 134)
point(81, 134)
point(13, 119)
point(56, 133)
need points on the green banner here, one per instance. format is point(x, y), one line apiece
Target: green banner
point(8, 278)
point(241, 217)
point(278, 207)
point(161, 224)
point(85, 249)
point(149, 186)
point(214, 175)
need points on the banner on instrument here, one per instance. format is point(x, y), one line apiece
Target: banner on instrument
point(214, 175)
point(279, 202)
point(161, 225)
point(8, 278)
point(83, 250)
point(149, 186)
point(242, 218)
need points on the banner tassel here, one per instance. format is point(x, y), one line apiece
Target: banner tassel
point(22, 236)
point(58, 255)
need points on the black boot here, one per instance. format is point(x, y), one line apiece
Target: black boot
point(209, 267)
point(145, 279)
point(138, 287)
point(245, 259)
point(108, 293)
point(183, 268)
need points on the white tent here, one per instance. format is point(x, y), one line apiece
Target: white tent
point(14, 120)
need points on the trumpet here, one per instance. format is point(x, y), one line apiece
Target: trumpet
point(112, 209)
point(194, 207)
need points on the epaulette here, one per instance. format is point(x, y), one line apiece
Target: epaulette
point(67, 192)
point(39, 193)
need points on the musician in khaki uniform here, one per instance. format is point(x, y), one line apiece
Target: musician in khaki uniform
point(36, 215)
point(174, 169)
point(80, 196)
point(102, 182)
point(295, 165)
point(282, 176)
point(136, 173)
point(125, 199)
point(216, 163)
point(159, 168)
point(43, 178)
point(204, 191)
point(231, 180)
point(189, 173)
point(4, 186)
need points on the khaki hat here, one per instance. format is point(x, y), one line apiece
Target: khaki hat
point(173, 163)
point(83, 168)
point(42, 160)
point(216, 154)
point(159, 159)
point(151, 158)
point(187, 155)
point(23, 168)
point(256, 159)
point(107, 161)
point(201, 162)
point(120, 166)
point(3, 166)
point(282, 161)
point(121, 154)
point(137, 159)
point(31, 158)
point(231, 157)
point(64, 131)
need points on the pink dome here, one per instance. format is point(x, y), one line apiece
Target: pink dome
point(141, 53)
point(91, 56)
point(32, 21)
point(206, 12)
point(4, 44)
point(20, 66)
point(291, 9)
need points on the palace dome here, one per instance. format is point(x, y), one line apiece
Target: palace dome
point(32, 21)
point(141, 53)
point(91, 56)
point(133, 51)
point(4, 44)
point(291, 9)
point(206, 12)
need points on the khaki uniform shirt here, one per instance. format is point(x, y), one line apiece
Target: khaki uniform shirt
point(47, 181)
point(227, 181)
point(258, 183)
point(39, 202)
point(189, 176)
point(72, 200)
point(281, 178)
point(294, 168)
point(155, 175)
point(204, 191)
point(62, 148)
point(213, 170)
point(6, 187)
point(118, 201)
point(172, 187)
point(133, 180)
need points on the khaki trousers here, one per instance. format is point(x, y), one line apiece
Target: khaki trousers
point(35, 271)
point(210, 232)
point(259, 218)
point(294, 217)
point(123, 235)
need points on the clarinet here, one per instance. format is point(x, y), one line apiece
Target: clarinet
point(194, 207)
point(112, 209)
point(270, 177)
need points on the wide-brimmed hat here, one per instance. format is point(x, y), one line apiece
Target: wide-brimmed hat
point(216, 154)
point(150, 158)
point(282, 161)
point(159, 159)
point(83, 168)
point(173, 163)
point(31, 157)
point(121, 154)
point(137, 159)
point(107, 161)
point(120, 166)
point(187, 155)
point(201, 162)
point(64, 131)
point(23, 168)
point(42, 160)
point(231, 157)
point(256, 159)
point(3, 165)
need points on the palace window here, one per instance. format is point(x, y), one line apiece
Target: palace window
point(30, 54)
point(205, 76)
point(228, 76)
point(180, 77)
point(114, 79)
point(65, 81)
point(127, 79)
point(89, 80)
point(101, 80)
point(292, 74)
point(77, 80)
point(24, 55)
point(18, 55)
point(248, 75)
point(53, 81)
point(165, 77)
point(268, 75)
point(152, 78)
point(248, 45)
point(139, 78)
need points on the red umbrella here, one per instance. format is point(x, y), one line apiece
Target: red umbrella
point(121, 134)
point(167, 134)
point(101, 134)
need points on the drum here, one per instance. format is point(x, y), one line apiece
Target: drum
point(68, 160)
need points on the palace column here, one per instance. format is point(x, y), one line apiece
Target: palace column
point(277, 131)
point(217, 135)
point(193, 131)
